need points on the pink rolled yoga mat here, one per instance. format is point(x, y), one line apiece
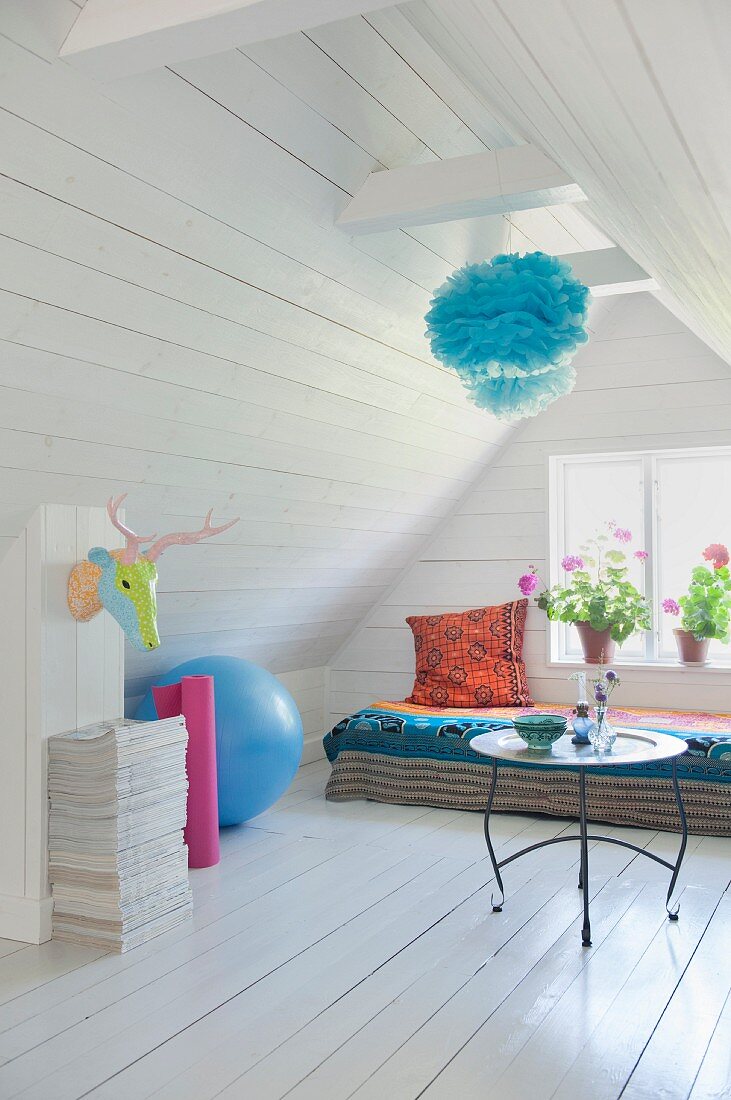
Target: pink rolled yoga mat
point(193, 698)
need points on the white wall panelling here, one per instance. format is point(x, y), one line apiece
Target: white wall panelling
point(181, 319)
point(643, 381)
point(55, 674)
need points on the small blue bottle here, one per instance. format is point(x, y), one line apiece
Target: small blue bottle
point(582, 723)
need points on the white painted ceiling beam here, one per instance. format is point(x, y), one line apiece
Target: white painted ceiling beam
point(499, 181)
point(116, 38)
point(609, 271)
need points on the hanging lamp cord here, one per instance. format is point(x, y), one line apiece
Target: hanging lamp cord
point(508, 216)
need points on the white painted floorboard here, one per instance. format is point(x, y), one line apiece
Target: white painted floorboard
point(349, 949)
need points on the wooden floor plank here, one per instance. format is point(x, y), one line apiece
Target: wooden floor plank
point(437, 999)
point(60, 986)
point(211, 1069)
point(9, 947)
point(27, 970)
point(417, 1063)
point(102, 1044)
point(672, 1058)
point(436, 920)
point(495, 1051)
point(108, 1005)
point(712, 1082)
point(349, 949)
point(597, 1058)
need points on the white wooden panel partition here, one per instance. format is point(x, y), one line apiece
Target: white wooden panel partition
point(55, 674)
point(644, 381)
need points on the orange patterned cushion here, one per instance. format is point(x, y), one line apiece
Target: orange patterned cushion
point(471, 658)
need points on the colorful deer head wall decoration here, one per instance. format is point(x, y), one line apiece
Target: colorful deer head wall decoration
point(123, 581)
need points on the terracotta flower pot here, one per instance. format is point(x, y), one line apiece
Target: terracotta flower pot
point(597, 645)
point(691, 650)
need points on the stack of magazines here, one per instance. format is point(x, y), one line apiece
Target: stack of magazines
point(117, 862)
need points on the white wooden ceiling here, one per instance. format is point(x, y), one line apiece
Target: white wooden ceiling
point(180, 318)
point(632, 98)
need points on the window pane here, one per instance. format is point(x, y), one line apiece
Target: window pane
point(694, 509)
point(596, 491)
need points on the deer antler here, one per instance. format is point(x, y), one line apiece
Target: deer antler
point(185, 538)
point(131, 550)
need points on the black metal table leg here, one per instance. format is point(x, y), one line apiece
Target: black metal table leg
point(496, 907)
point(673, 913)
point(584, 873)
point(584, 838)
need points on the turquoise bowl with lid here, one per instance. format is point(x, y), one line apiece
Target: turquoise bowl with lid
point(540, 731)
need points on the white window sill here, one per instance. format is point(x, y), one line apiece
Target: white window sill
point(671, 666)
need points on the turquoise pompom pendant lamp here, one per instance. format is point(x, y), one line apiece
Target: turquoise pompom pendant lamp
point(509, 328)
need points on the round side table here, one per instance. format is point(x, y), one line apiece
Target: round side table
point(631, 747)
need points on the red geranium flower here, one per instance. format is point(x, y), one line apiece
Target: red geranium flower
point(718, 554)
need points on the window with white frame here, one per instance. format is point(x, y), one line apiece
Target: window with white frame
point(675, 503)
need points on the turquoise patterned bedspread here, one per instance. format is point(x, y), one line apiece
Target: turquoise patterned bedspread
point(401, 730)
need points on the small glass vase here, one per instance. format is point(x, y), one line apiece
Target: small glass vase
point(602, 734)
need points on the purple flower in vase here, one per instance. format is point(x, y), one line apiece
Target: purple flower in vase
point(571, 562)
point(671, 607)
point(528, 583)
point(599, 695)
point(610, 675)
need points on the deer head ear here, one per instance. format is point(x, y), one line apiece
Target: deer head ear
point(100, 556)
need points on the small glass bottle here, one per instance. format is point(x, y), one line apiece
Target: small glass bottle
point(582, 723)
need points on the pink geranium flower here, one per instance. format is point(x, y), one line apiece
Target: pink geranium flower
point(718, 554)
point(571, 562)
point(622, 534)
point(641, 555)
point(528, 583)
point(671, 607)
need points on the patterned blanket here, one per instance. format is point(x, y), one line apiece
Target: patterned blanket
point(404, 729)
point(399, 752)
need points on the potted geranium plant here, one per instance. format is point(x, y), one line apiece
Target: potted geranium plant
point(705, 610)
point(598, 598)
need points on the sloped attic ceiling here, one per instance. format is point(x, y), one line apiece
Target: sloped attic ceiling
point(181, 320)
point(631, 97)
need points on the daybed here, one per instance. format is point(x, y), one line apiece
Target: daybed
point(404, 753)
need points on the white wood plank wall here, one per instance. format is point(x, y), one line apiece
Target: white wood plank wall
point(644, 381)
point(179, 318)
point(55, 674)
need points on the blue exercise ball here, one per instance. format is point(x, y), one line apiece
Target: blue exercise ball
point(258, 733)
